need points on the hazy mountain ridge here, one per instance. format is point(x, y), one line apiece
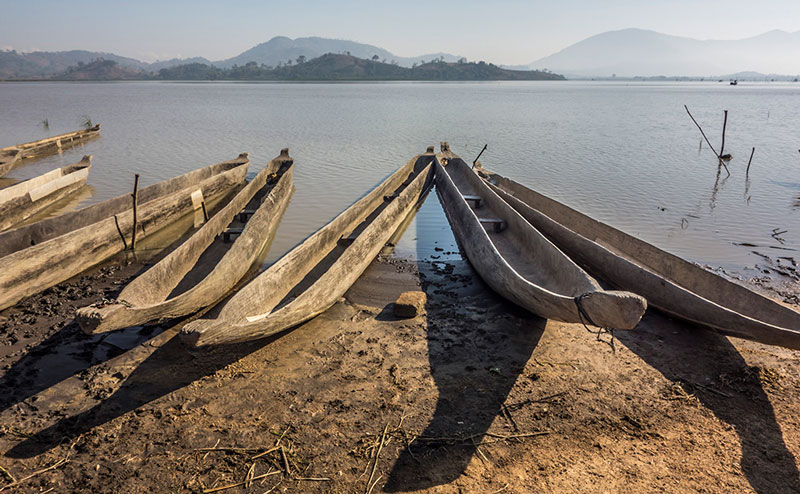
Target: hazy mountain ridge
point(280, 49)
point(638, 52)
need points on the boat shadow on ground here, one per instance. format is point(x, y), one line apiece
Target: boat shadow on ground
point(66, 353)
point(712, 368)
point(478, 345)
point(168, 368)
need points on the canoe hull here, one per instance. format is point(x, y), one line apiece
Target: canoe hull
point(621, 310)
point(13, 156)
point(21, 201)
point(29, 270)
point(145, 299)
point(632, 264)
point(249, 314)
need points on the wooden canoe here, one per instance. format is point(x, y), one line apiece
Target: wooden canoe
point(39, 255)
point(673, 285)
point(151, 296)
point(21, 201)
point(518, 262)
point(13, 156)
point(314, 275)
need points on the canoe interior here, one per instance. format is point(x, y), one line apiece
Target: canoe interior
point(211, 257)
point(42, 231)
point(688, 275)
point(312, 276)
point(527, 251)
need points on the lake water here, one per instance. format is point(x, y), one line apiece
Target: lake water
point(626, 154)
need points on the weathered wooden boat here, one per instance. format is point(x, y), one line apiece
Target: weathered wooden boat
point(314, 275)
point(518, 262)
point(21, 201)
point(39, 255)
point(13, 156)
point(671, 284)
point(151, 297)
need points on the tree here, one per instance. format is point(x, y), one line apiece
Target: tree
point(289, 62)
point(462, 60)
point(301, 59)
point(375, 58)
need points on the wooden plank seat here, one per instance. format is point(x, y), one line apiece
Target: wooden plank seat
point(226, 235)
point(476, 200)
point(495, 223)
point(244, 214)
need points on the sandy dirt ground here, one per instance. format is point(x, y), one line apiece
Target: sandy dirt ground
point(474, 395)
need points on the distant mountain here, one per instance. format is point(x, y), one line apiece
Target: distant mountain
point(281, 49)
point(338, 67)
point(637, 52)
point(41, 64)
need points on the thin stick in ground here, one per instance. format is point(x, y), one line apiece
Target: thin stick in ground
point(747, 173)
point(375, 463)
point(135, 201)
point(724, 125)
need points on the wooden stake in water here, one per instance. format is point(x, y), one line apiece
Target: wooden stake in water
point(135, 196)
point(724, 125)
point(747, 173)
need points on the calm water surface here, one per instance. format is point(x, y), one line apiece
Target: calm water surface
point(626, 154)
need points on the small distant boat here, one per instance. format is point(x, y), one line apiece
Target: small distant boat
point(517, 261)
point(735, 83)
point(315, 274)
point(151, 297)
point(671, 284)
point(37, 256)
point(13, 156)
point(21, 201)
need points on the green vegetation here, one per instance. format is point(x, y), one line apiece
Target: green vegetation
point(329, 67)
point(343, 67)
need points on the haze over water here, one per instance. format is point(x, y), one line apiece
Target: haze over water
point(626, 154)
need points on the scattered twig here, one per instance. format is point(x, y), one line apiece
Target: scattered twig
point(237, 484)
point(313, 479)
point(55, 465)
point(375, 463)
point(7, 474)
point(285, 461)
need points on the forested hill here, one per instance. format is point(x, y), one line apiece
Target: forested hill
point(329, 67)
point(337, 67)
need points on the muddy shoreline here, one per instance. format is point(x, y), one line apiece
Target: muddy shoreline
point(474, 395)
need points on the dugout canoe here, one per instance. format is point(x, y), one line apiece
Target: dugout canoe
point(671, 284)
point(21, 201)
point(254, 214)
point(39, 255)
point(13, 156)
point(517, 261)
point(314, 275)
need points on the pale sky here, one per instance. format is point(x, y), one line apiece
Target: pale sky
point(504, 31)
